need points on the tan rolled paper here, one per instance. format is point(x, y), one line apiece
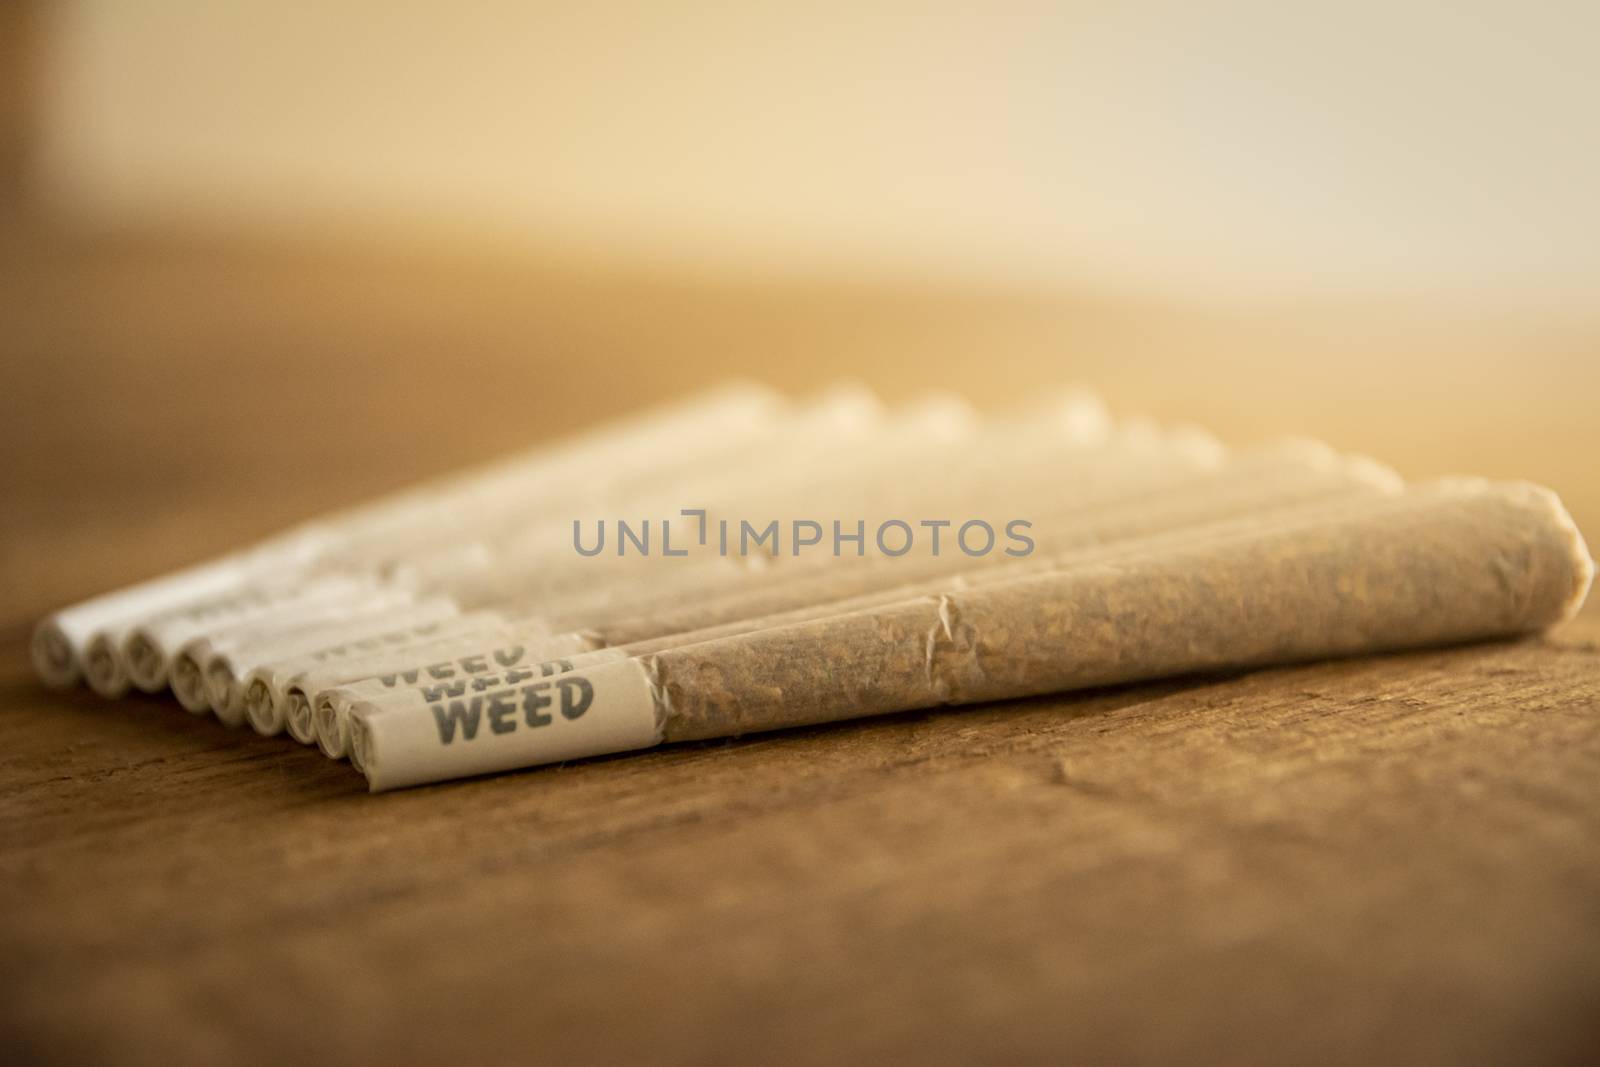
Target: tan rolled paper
point(1441, 564)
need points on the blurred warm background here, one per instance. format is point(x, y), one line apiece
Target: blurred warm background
point(259, 258)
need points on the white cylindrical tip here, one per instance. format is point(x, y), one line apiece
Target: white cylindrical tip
point(299, 721)
point(332, 735)
point(53, 657)
point(1582, 561)
point(146, 663)
point(256, 691)
point(360, 738)
point(233, 712)
point(105, 670)
point(222, 685)
point(188, 683)
point(266, 716)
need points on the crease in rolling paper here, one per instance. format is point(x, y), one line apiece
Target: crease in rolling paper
point(1448, 563)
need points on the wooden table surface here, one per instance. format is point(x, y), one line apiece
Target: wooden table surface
point(1396, 859)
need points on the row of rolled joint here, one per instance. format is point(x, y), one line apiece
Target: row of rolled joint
point(390, 631)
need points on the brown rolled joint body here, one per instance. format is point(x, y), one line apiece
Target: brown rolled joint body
point(1437, 566)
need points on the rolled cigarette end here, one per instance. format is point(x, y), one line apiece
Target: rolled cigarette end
point(1567, 531)
point(265, 715)
point(103, 668)
point(256, 691)
point(299, 722)
point(188, 681)
point(145, 661)
point(332, 718)
point(1437, 565)
point(332, 728)
point(237, 713)
point(54, 658)
point(256, 688)
point(226, 693)
point(360, 743)
point(222, 689)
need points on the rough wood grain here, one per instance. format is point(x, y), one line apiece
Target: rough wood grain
point(1396, 860)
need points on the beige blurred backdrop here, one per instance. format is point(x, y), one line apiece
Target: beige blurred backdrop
point(256, 258)
point(1235, 148)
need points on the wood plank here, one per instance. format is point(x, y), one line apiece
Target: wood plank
point(1391, 854)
